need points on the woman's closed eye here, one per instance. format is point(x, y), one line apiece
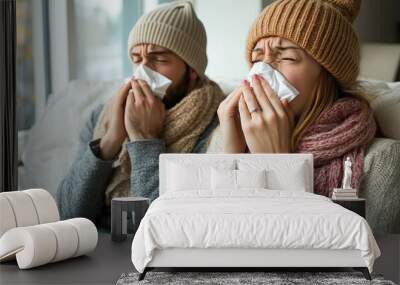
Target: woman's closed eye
point(290, 59)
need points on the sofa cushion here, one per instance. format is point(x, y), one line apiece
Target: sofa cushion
point(384, 99)
point(380, 185)
point(53, 141)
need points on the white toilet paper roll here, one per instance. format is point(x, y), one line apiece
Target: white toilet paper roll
point(87, 233)
point(23, 208)
point(67, 240)
point(40, 244)
point(45, 205)
point(32, 246)
point(7, 218)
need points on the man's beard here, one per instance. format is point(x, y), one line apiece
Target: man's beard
point(178, 93)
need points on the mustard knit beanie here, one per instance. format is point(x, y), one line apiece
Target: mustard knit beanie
point(176, 27)
point(323, 28)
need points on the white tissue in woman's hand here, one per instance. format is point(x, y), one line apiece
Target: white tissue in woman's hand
point(158, 83)
point(276, 80)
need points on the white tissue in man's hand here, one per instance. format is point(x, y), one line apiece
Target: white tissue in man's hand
point(158, 83)
point(276, 80)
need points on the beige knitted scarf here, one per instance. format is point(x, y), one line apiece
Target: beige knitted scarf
point(184, 123)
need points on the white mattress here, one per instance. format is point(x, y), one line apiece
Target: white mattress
point(253, 218)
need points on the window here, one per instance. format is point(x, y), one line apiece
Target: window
point(97, 41)
point(24, 65)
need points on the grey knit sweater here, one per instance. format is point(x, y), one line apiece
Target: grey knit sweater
point(81, 192)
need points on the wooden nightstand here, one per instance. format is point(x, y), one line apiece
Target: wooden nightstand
point(355, 205)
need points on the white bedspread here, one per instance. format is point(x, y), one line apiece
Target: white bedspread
point(254, 218)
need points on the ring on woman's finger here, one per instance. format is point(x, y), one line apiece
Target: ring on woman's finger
point(256, 109)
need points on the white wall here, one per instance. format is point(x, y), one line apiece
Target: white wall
point(149, 5)
point(227, 23)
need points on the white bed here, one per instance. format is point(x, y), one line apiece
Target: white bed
point(201, 220)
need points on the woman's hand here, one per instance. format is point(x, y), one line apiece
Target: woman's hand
point(233, 137)
point(266, 121)
point(144, 113)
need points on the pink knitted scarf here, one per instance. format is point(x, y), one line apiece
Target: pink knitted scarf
point(340, 132)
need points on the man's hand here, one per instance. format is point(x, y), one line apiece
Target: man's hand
point(144, 113)
point(116, 133)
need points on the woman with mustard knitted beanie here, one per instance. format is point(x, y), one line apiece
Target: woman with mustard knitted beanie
point(313, 45)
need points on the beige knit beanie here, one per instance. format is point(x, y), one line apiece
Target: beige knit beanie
point(176, 27)
point(323, 28)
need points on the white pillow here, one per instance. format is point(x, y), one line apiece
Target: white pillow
point(223, 179)
point(291, 176)
point(52, 143)
point(183, 176)
point(228, 179)
point(293, 179)
point(251, 178)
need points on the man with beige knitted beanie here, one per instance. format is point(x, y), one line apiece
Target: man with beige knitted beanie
point(121, 143)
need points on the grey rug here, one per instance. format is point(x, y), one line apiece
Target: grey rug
point(225, 278)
